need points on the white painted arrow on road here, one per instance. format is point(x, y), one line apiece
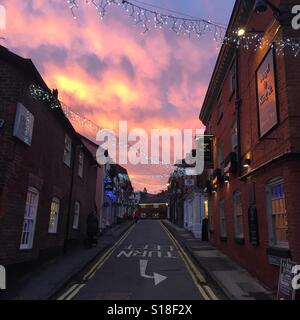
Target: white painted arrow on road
point(158, 278)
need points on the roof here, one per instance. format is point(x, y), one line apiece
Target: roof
point(240, 15)
point(30, 72)
point(160, 198)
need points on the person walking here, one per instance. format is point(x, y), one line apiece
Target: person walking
point(136, 216)
point(92, 226)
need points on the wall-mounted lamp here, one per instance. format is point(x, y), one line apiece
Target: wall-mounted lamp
point(214, 190)
point(226, 179)
point(246, 163)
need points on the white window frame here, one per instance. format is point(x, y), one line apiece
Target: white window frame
point(239, 234)
point(29, 222)
point(223, 229)
point(76, 215)
point(67, 150)
point(80, 164)
point(272, 228)
point(54, 215)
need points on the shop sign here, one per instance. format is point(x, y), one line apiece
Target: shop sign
point(285, 289)
point(266, 94)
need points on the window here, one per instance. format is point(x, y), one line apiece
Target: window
point(234, 137)
point(278, 224)
point(54, 213)
point(220, 107)
point(30, 214)
point(67, 150)
point(76, 215)
point(223, 232)
point(220, 156)
point(238, 215)
point(210, 216)
point(233, 78)
point(80, 164)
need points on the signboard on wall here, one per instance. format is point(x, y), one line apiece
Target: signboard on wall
point(285, 289)
point(266, 94)
point(23, 127)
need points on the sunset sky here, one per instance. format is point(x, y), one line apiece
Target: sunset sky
point(107, 71)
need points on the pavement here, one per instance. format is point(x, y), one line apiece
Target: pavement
point(48, 278)
point(235, 282)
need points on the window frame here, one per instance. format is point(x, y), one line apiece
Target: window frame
point(223, 227)
point(31, 235)
point(272, 238)
point(80, 164)
point(57, 202)
point(76, 215)
point(67, 151)
point(237, 235)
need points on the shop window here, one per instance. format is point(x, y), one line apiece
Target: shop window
point(223, 231)
point(238, 215)
point(54, 213)
point(29, 222)
point(76, 215)
point(67, 150)
point(277, 215)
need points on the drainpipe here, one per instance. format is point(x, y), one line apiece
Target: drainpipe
point(238, 103)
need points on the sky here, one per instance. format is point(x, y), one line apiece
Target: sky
point(107, 71)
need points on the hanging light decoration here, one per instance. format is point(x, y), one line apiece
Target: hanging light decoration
point(148, 18)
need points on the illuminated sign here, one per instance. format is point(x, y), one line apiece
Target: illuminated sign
point(266, 95)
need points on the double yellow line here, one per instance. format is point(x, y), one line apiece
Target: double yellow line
point(199, 280)
point(73, 291)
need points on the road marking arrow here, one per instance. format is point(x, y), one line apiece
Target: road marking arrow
point(158, 278)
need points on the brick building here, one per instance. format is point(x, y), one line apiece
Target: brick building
point(154, 206)
point(252, 110)
point(47, 175)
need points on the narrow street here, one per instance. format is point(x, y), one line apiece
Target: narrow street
point(144, 265)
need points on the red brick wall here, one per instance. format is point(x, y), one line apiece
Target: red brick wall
point(284, 138)
point(40, 165)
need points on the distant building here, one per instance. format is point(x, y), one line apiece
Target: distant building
point(47, 175)
point(154, 206)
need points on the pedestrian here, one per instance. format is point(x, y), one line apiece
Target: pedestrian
point(136, 216)
point(92, 226)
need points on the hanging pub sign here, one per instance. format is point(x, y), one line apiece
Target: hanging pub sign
point(285, 290)
point(266, 94)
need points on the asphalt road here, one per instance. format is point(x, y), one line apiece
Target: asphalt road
point(144, 265)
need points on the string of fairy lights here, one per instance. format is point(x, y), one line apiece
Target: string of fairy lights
point(149, 16)
point(49, 97)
